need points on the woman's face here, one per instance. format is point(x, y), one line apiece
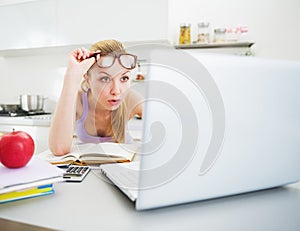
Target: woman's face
point(109, 85)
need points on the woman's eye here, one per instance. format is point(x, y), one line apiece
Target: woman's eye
point(105, 79)
point(124, 78)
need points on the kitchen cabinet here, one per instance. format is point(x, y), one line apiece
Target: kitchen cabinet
point(51, 23)
point(39, 134)
point(92, 20)
point(29, 24)
point(38, 127)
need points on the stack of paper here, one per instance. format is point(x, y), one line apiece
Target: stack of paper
point(35, 179)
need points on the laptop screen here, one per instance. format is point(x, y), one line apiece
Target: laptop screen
point(180, 96)
point(215, 125)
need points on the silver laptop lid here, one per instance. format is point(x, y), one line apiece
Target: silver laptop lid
point(217, 125)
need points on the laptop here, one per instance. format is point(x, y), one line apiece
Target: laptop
point(213, 125)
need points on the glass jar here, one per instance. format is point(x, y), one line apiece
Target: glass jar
point(203, 32)
point(220, 35)
point(185, 33)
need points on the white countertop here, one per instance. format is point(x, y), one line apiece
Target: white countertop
point(95, 204)
point(45, 120)
point(38, 120)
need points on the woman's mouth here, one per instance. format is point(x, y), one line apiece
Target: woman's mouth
point(113, 102)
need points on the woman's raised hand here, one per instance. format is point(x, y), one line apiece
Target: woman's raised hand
point(79, 63)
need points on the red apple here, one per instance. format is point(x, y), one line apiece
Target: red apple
point(16, 149)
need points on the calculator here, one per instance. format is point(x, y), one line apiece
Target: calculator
point(75, 173)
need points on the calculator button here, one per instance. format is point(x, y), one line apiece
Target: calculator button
point(74, 169)
point(70, 169)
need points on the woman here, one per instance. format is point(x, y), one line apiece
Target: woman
point(104, 103)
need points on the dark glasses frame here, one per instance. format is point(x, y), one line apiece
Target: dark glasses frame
point(115, 56)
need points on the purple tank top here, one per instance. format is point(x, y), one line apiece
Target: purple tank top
point(82, 134)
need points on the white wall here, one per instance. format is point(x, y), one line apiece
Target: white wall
point(37, 74)
point(273, 25)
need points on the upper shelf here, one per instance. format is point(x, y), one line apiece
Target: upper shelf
point(215, 45)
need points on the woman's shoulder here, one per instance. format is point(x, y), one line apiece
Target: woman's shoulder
point(133, 96)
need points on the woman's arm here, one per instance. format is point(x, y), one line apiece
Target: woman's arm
point(62, 126)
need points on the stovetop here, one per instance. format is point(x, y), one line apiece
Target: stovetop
point(19, 113)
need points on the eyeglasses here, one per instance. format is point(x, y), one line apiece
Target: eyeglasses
point(127, 61)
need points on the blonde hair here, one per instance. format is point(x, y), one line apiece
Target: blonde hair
point(120, 115)
point(108, 46)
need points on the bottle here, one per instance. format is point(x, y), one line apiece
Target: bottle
point(244, 33)
point(231, 35)
point(220, 35)
point(203, 32)
point(185, 33)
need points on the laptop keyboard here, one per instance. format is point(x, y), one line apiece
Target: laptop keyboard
point(128, 179)
point(123, 175)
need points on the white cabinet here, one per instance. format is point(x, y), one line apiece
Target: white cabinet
point(66, 22)
point(88, 21)
point(39, 134)
point(31, 24)
point(38, 127)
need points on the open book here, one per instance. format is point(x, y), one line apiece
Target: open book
point(92, 154)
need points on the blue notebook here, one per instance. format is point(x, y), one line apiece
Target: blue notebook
point(26, 194)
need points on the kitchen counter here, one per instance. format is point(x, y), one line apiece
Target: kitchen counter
point(40, 120)
point(104, 207)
